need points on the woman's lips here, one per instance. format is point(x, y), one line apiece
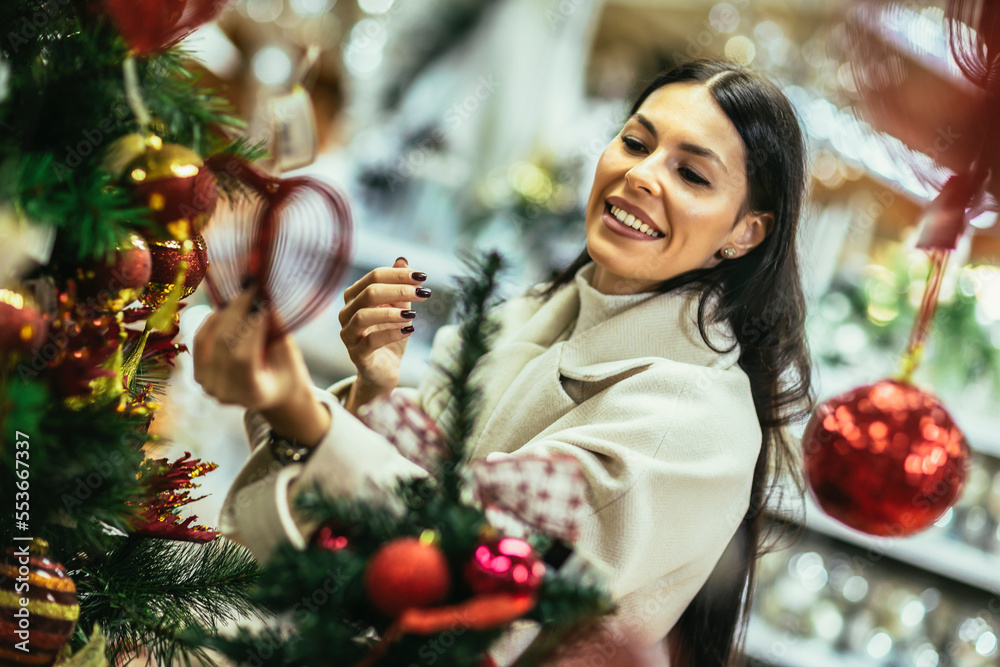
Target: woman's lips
point(611, 222)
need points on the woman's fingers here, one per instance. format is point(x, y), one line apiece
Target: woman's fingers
point(401, 263)
point(379, 294)
point(375, 340)
point(379, 318)
point(229, 349)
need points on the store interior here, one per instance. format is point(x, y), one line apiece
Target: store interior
point(459, 125)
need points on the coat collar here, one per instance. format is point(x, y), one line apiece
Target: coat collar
point(661, 327)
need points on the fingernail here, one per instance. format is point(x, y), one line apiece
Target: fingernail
point(407, 330)
point(408, 314)
point(254, 306)
point(418, 275)
point(401, 258)
point(423, 292)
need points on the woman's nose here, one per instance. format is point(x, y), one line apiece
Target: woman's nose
point(641, 178)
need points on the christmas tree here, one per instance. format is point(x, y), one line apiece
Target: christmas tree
point(104, 134)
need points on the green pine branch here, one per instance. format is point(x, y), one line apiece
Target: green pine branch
point(85, 460)
point(152, 595)
point(476, 294)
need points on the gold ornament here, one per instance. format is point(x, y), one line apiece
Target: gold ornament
point(171, 180)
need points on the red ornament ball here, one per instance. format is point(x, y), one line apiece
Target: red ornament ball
point(407, 573)
point(174, 183)
point(506, 565)
point(130, 270)
point(330, 537)
point(52, 608)
point(886, 459)
point(150, 26)
point(166, 258)
point(22, 327)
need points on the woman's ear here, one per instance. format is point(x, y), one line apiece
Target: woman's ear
point(751, 231)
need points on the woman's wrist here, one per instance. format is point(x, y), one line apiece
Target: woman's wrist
point(362, 392)
point(302, 418)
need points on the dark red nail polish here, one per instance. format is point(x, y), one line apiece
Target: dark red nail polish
point(407, 330)
point(408, 314)
point(400, 258)
point(423, 292)
point(419, 275)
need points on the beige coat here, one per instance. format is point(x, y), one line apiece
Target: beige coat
point(664, 427)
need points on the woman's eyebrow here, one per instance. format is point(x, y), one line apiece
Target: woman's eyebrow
point(694, 149)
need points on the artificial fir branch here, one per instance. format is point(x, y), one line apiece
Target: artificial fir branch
point(149, 594)
point(475, 296)
point(88, 459)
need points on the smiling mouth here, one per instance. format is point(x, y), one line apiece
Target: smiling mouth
point(630, 220)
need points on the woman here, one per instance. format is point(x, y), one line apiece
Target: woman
point(666, 359)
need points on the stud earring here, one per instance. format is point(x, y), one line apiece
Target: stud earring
point(729, 253)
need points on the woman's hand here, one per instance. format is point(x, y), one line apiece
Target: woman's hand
point(234, 364)
point(375, 324)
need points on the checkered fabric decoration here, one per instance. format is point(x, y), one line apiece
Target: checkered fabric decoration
point(545, 492)
point(520, 494)
point(401, 421)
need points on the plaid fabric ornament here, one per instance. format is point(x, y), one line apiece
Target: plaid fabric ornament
point(520, 494)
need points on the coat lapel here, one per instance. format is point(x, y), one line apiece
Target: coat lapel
point(523, 375)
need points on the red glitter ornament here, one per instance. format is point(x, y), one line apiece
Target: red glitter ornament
point(886, 459)
point(330, 537)
point(507, 564)
point(405, 573)
point(167, 256)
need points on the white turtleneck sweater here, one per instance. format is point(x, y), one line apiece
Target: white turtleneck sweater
point(597, 306)
point(663, 426)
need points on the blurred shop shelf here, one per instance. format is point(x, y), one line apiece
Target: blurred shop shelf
point(770, 646)
point(948, 558)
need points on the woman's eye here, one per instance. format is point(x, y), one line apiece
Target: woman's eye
point(693, 176)
point(632, 144)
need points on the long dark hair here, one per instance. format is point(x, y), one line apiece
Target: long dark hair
point(760, 296)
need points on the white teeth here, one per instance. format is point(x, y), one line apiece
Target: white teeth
point(634, 223)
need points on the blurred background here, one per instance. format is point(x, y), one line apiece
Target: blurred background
point(460, 124)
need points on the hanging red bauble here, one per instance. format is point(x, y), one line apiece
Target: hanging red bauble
point(22, 327)
point(153, 25)
point(171, 180)
point(120, 280)
point(405, 573)
point(886, 459)
point(508, 564)
point(51, 605)
point(166, 258)
point(292, 235)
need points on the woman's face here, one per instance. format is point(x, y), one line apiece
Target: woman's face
point(677, 169)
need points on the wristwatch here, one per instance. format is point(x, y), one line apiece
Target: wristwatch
point(285, 450)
